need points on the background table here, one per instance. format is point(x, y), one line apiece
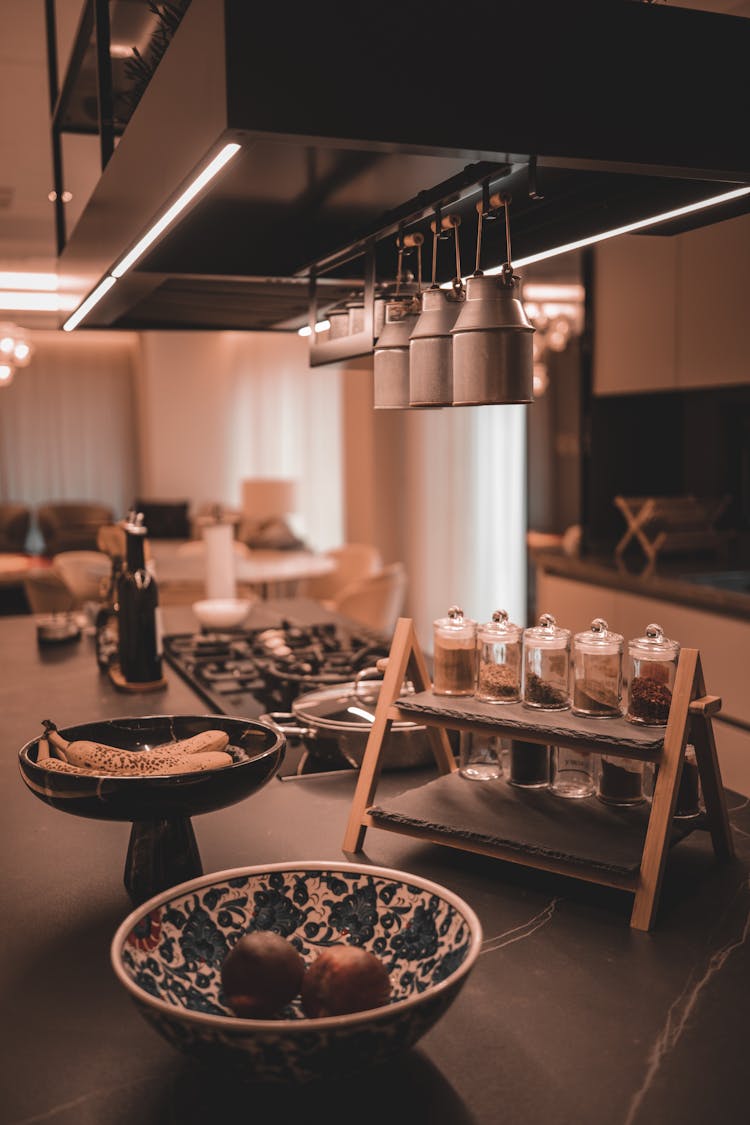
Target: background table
point(269, 573)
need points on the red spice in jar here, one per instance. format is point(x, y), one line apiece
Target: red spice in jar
point(649, 700)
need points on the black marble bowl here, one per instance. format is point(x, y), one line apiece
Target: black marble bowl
point(162, 849)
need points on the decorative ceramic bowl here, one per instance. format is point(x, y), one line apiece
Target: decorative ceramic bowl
point(162, 850)
point(168, 956)
point(222, 613)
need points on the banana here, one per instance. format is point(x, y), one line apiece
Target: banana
point(206, 740)
point(56, 766)
point(136, 765)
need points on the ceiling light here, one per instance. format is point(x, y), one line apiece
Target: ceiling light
point(15, 351)
point(321, 326)
point(191, 191)
point(630, 228)
point(92, 299)
point(179, 205)
point(16, 280)
point(14, 301)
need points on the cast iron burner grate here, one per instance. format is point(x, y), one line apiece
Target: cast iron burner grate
point(250, 672)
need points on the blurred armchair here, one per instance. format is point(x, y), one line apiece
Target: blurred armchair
point(15, 520)
point(71, 525)
point(376, 601)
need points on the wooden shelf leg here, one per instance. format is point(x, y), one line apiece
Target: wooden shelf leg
point(656, 843)
point(717, 815)
point(400, 658)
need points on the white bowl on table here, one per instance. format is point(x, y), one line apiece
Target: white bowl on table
point(222, 613)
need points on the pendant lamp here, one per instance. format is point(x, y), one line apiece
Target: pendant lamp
point(492, 339)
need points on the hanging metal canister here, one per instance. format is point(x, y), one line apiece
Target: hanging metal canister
point(493, 358)
point(391, 355)
point(391, 358)
point(431, 348)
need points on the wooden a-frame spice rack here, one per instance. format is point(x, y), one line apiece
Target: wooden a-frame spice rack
point(689, 721)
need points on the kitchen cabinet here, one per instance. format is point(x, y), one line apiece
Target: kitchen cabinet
point(635, 314)
point(669, 312)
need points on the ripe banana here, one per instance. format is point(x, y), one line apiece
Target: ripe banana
point(56, 766)
point(198, 744)
point(101, 759)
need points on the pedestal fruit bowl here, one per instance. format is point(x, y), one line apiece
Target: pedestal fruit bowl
point(162, 850)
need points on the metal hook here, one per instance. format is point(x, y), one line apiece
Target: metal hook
point(534, 192)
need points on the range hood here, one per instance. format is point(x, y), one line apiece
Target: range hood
point(358, 125)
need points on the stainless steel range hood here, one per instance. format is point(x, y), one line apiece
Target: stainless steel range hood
point(355, 124)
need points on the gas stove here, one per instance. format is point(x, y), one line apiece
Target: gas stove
point(250, 672)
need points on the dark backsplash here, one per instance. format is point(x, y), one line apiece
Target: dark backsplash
point(667, 444)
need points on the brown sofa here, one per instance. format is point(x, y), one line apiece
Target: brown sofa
point(71, 525)
point(15, 520)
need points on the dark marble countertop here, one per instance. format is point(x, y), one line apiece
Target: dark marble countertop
point(695, 584)
point(568, 1018)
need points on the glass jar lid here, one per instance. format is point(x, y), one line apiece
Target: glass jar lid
point(598, 638)
point(455, 624)
point(654, 645)
point(547, 633)
point(500, 628)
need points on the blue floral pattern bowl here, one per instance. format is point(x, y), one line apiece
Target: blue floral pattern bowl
point(168, 955)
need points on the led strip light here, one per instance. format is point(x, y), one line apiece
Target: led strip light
point(191, 191)
point(226, 154)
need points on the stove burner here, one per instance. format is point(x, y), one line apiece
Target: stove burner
point(249, 672)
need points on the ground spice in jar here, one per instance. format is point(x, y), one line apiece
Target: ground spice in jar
point(539, 691)
point(649, 700)
point(528, 764)
point(498, 681)
point(620, 783)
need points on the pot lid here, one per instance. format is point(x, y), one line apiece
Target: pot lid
point(346, 706)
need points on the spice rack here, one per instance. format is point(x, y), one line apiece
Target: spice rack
point(433, 812)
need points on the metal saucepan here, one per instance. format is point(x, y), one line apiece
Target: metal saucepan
point(340, 717)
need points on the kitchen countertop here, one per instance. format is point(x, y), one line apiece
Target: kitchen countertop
point(690, 583)
point(569, 1016)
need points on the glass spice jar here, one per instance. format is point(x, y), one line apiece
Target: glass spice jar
point(653, 668)
point(499, 660)
point(455, 654)
point(546, 665)
point(597, 672)
point(620, 781)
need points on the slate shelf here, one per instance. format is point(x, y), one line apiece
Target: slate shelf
point(555, 728)
point(532, 823)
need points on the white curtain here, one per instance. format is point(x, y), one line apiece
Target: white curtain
point(286, 422)
point(67, 423)
point(466, 473)
point(218, 407)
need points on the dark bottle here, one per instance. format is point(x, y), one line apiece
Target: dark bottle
point(105, 626)
point(138, 610)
